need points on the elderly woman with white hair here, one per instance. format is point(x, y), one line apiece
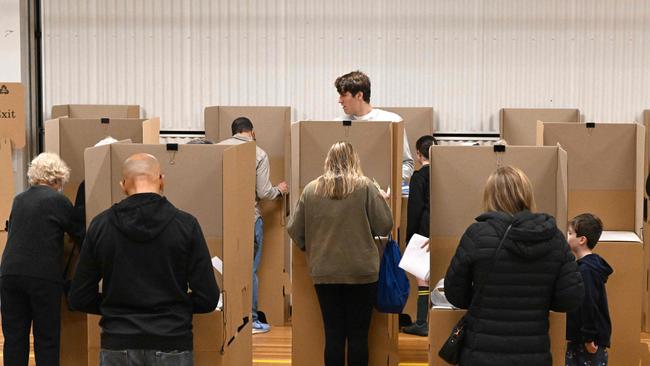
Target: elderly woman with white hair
point(31, 278)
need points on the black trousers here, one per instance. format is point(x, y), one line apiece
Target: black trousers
point(25, 300)
point(346, 310)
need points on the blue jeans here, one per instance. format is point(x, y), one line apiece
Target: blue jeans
point(257, 258)
point(145, 357)
point(577, 355)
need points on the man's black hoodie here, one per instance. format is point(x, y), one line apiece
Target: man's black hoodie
point(591, 321)
point(149, 254)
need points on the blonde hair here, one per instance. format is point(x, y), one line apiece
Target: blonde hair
point(342, 172)
point(48, 168)
point(509, 190)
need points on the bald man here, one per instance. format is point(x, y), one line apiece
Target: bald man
point(156, 269)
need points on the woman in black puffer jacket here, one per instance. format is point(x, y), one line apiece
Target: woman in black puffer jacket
point(535, 272)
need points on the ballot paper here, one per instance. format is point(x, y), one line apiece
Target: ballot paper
point(416, 259)
point(217, 263)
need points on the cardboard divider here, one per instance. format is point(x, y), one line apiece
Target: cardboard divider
point(518, 125)
point(446, 319)
point(646, 245)
point(458, 176)
point(272, 128)
point(222, 337)
point(606, 177)
point(7, 192)
point(378, 145)
point(605, 170)
point(95, 111)
point(68, 137)
point(418, 121)
point(12, 113)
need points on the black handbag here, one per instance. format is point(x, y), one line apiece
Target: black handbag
point(450, 350)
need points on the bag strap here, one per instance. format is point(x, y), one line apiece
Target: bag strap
point(479, 289)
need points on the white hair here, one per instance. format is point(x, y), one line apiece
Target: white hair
point(48, 168)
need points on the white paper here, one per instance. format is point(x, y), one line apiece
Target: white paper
point(217, 263)
point(416, 259)
point(627, 236)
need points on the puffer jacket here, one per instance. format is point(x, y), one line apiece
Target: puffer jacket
point(535, 273)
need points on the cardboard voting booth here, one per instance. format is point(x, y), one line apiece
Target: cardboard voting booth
point(213, 183)
point(458, 176)
point(272, 128)
point(69, 137)
point(645, 323)
point(518, 125)
point(606, 178)
point(95, 111)
point(418, 121)
point(379, 146)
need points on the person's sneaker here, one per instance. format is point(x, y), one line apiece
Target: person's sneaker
point(418, 329)
point(259, 327)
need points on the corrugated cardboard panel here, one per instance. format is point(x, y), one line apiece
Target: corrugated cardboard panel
point(446, 319)
point(95, 111)
point(6, 181)
point(646, 245)
point(624, 291)
point(418, 121)
point(70, 136)
point(151, 131)
point(12, 113)
point(310, 142)
point(459, 173)
point(604, 170)
point(188, 172)
point(271, 126)
point(518, 124)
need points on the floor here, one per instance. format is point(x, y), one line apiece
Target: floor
point(274, 348)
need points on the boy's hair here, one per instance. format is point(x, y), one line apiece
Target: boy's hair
point(354, 82)
point(424, 143)
point(589, 226)
point(241, 124)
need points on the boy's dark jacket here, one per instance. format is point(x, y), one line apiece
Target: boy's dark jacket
point(418, 204)
point(535, 272)
point(149, 254)
point(591, 321)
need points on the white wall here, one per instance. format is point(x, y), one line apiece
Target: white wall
point(466, 58)
point(10, 67)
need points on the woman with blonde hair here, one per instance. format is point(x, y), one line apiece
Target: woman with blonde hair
point(335, 221)
point(511, 267)
point(31, 278)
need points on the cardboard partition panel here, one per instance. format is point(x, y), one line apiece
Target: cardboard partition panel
point(418, 121)
point(458, 176)
point(518, 125)
point(95, 111)
point(624, 292)
point(646, 246)
point(446, 319)
point(272, 128)
point(605, 170)
point(378, 145)
point(6, 181)
point(68, 137)
point(213, 183)
point(12, 113)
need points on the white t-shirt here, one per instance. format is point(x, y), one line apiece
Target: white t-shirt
point(377, 114)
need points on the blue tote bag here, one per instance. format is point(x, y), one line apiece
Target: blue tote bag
point(393, 285)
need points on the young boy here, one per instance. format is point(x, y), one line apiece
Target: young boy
point(588, 328)
point(418, 222)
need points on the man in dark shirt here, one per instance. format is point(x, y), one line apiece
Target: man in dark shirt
point(418, 223)
point(156, 272)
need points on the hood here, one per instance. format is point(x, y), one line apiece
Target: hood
point(142, 217)
point(530, 234)
point(598, 265)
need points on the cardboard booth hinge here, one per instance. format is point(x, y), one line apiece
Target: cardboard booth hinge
point(590, 124)
point(498, 151)
point(499, 148)
point(173, 148)
point(105, 120)
point(347, 123)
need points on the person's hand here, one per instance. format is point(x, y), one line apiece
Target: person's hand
point(283, 187)
point(425, 245)
point(385, 195)
point(591, 347)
